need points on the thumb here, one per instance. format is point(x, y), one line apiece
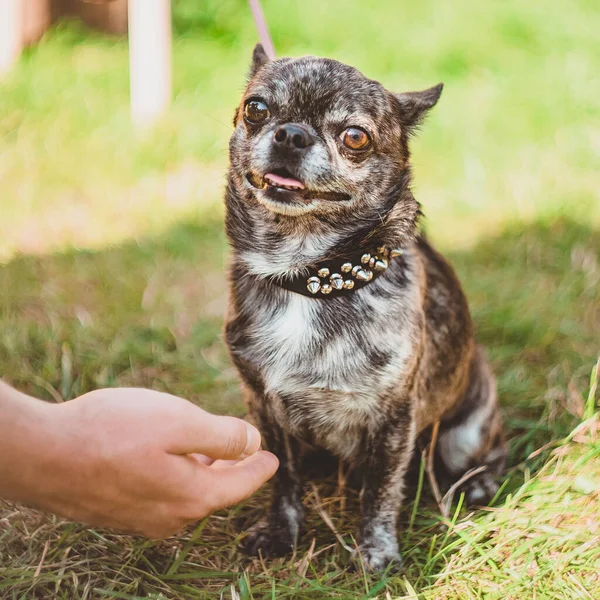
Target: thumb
point(234, 483)
point(201, 432)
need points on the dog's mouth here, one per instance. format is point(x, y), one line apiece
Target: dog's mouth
point(282, 179)
point(283, 186)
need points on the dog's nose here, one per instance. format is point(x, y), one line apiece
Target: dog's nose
point(294, 137)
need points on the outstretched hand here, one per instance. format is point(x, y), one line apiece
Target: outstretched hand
point(139, 461)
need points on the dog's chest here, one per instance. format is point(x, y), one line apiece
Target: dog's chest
point(329, 363)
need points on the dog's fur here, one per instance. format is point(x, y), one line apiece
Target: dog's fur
point(363, 375)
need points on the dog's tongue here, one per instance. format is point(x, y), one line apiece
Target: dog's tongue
point(284, 181)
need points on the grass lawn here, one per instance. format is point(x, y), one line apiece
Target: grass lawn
point(112, 257)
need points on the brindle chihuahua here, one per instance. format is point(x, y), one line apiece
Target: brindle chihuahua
point(350, 332)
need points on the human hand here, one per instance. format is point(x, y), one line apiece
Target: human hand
point(126, 458)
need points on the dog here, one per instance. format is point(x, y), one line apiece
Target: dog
point(351, 334)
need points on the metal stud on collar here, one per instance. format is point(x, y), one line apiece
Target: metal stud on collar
point(362, 272)
point(313, 284)
point(337, 283)
point(364, 275)
point(381, 264)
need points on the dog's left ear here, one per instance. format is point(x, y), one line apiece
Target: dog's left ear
point(414, 105)
point(259, 60)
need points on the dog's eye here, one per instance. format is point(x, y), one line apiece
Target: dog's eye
point(256, 111)
point(356, 138)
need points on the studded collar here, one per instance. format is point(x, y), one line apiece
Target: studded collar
point(341, 276)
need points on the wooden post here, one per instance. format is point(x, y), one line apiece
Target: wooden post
point(149, 59)
point(109, 16)
point(11, 33)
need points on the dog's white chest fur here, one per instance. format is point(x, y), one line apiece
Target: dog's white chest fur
point(331, 366)
point(282, 335)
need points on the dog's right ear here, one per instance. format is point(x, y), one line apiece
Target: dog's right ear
point(259, 60)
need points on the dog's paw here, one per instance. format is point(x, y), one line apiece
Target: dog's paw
point(272, 540)
point(479, 490)
point(377, 557)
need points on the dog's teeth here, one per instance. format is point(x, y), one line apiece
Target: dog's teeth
point(268, 182)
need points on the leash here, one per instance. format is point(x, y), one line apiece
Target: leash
point(261, 27)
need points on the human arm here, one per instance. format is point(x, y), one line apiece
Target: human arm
point(124, 458)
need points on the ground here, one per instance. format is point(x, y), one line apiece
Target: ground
point(112, 258)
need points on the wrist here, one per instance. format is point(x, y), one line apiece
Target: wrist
point(30, 439)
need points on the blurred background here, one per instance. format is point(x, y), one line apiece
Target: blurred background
point(515, 135)
point(113, 262)
point(111, 237)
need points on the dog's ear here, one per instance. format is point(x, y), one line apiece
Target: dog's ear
point(259, 60)
point(414, 105)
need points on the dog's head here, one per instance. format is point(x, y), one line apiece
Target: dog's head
point(313, 135)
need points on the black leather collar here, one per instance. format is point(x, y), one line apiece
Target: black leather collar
point(341, 276)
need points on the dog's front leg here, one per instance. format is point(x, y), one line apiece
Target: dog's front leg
point(388, 455)
point(276, 534)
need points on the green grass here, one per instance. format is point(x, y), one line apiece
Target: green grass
point(112, 259)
